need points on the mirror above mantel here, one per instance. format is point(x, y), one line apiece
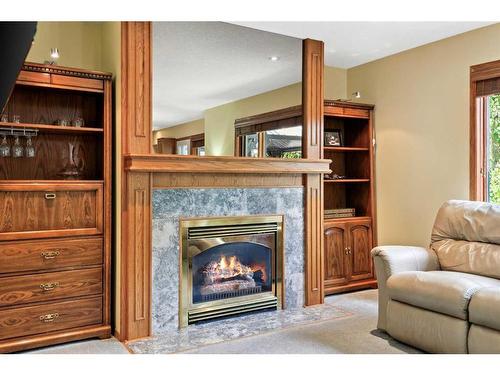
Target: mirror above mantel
point(210, 76)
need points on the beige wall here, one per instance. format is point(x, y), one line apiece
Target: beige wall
point(179, 131)
point(78, 43)
point(421, 120)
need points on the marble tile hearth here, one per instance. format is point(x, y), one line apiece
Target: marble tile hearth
point(198, 335)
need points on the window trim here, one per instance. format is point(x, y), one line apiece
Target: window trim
point(478, 158)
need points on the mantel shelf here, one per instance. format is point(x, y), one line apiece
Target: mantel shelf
point(223, 164)
point(58, 129)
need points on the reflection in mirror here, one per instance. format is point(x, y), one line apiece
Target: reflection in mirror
point(224, 89)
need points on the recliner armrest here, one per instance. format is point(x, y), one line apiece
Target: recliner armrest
point(389, 260)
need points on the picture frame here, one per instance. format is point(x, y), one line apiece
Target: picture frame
point(333, 138)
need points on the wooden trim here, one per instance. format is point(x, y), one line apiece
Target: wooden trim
point(135, 267)
point(222, 164)
point(261, 118)
point(347, 104)
point(66, 71)
point(477, 142)
point(225, 180)
point(37, 341)
point(312, 135)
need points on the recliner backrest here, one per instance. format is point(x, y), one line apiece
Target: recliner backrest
point(466, 237)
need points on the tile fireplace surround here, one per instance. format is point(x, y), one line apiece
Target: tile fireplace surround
point(169, 205)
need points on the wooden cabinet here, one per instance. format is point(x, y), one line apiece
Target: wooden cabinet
point(55, 210)
point(349, 240)
point(348, 262)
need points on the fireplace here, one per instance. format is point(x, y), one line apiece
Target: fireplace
point(230, 265)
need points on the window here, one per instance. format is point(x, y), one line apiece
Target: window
point(485, 132)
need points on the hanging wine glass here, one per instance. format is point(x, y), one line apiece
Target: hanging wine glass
point(30, 149)
point(4, 147)
point(17, 148)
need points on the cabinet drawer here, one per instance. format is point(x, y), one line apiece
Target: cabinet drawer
point(90, 83)
point(50, 286)
point(41, 255)
point(48, 318)
point(50, 210)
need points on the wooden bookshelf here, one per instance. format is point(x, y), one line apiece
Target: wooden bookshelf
point(55, 234)
point(348, 241)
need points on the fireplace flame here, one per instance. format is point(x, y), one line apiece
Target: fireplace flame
point(231, 267)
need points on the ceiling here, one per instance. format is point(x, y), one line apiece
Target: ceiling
point(349, 44)
point(201, 65)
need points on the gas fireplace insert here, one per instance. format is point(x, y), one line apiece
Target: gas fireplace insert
point(230, 265)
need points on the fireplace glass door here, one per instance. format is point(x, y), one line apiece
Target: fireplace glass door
point(231, 269)
point(230, 265)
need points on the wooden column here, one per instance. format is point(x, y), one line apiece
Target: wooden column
point(312, 102)
point(136, 123)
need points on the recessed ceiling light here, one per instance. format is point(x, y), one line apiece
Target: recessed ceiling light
point(274, 58)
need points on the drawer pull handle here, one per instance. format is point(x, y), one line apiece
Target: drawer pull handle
point(50, 195)
point(50, 254)
point(48, 318)
point(49, 286)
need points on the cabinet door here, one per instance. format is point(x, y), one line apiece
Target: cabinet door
point(336, 260)
point(359, 247)
point(50, 210)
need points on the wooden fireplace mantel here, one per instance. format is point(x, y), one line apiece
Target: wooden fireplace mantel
point(222, 164)
point(141, 172)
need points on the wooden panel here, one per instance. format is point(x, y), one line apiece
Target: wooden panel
point(360, 245)
point(33, 77)
point(77, 82)
point(48, 318)
point(312, 140)
point(52, 157)
point(166, 145)
point(136, 260)
point(222, 164)
point(40, 105)
point(136, 87)
point(43, 255)
point(224, 180)
point(48, 210)
point(50, 286)
point(336, 260)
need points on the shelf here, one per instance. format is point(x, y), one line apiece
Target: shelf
point(337, 219)
point(346, 180)
point(345, 149)
point(52, 128)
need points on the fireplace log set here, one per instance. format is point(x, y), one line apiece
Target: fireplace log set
point(228, 275)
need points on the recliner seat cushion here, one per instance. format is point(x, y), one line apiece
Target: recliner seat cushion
point(444, 292)
point(484, 308)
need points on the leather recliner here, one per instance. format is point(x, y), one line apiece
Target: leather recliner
point(445, 298)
